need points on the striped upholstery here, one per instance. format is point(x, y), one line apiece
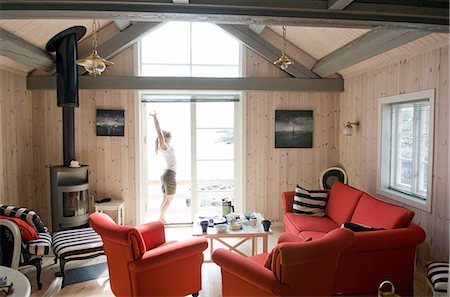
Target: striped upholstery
point(310, 202)
point(24, 214)
point(41, 246)
point(437, 273)
point(77, 243)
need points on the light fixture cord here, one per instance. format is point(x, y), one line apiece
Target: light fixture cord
point(283, 50)
point(95, 26)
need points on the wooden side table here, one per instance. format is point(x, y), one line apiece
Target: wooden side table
point(113, 205)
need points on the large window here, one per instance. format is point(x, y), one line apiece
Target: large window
point(190, 49)
point(405, 148)
point(206, 126)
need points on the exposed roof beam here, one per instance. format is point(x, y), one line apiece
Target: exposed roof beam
point(121, 24)
point(257, 28)
point(366, 46)
point(193, 83)
point(265, 49)
point(338, 4)
point(122, 40)
point(19, 50)
point(268, 12)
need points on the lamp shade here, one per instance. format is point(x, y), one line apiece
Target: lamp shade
point(347, 131)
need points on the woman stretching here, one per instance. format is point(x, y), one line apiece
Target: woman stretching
point(168, 179)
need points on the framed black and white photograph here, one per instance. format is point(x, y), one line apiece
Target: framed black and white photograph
point(293, 128)
point(110, 122)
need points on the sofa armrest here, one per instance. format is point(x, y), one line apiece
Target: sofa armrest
point(288, 200)
point(248, 271)
point(411, 236)
point(153, 234)
point(169, 253)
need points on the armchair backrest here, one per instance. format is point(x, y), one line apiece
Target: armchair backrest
point(122, 245)
point(308, 268)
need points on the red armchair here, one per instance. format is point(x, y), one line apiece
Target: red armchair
point(294, 267)
point(142, 263)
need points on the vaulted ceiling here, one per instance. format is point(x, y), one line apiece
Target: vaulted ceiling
point(331, 38)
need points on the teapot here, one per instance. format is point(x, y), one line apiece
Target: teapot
point(227, 206)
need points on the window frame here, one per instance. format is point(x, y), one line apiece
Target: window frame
point(385, 154)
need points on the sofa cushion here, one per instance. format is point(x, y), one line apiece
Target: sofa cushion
point(310, 202)
point(303, 223)
point(285, 237)
point(314, 235)
point(342, 200)
point(378, 214)
point(27, 232)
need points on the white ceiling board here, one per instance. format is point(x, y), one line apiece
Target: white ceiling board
point(319, 42)
point(405, 51)
point(38, 32)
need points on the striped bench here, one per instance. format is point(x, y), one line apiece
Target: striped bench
point(437, 277)
point(76, 244)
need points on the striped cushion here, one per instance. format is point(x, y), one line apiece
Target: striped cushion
point(25, 214)
point(77, 243)
point(437, 273)
point(310, 203)
point(41, 246)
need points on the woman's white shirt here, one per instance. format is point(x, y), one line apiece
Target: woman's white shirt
point(169, 156)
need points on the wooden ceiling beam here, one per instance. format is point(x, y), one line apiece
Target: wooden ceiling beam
point(364, 47)
point(338, 4)
point(193, 83)
point(21, 51)
point(282, 12)
point(266, 49)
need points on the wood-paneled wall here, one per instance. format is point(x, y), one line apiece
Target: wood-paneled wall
point(358, 153)
point(16, 141)
point(31, 142)
point(270, 171)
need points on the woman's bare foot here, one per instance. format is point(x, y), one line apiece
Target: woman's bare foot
point(162, 221)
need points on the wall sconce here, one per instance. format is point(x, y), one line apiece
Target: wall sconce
point(348, 129)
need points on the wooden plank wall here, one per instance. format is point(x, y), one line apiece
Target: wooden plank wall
point(16, 141)
point(31, 142)
point(270, 171)
point(358, 153)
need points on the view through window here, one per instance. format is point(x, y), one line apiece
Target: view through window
point(406, 148)
point(205, 133)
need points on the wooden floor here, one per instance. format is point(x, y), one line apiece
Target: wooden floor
point(211, 280)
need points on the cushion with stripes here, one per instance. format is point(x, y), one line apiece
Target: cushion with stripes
point(41, 246)
point(24, 214)
point(310, 202)
point(77, 243)
point(437, 273)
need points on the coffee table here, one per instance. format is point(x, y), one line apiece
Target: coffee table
point(247, 233)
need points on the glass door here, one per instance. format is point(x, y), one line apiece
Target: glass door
point(204, 140)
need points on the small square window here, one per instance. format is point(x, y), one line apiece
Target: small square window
point(405, 148)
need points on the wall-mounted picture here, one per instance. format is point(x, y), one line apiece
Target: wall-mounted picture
point(110, 122)
point(293, 128)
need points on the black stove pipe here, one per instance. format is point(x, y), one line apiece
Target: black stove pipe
point(65, 45)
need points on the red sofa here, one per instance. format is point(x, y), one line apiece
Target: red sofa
point(374, 256)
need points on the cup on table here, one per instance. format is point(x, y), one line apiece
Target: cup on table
point(266, 225)
point(204, 225)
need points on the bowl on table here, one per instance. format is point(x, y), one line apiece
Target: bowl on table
point(235, 226)
point(221, 228)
